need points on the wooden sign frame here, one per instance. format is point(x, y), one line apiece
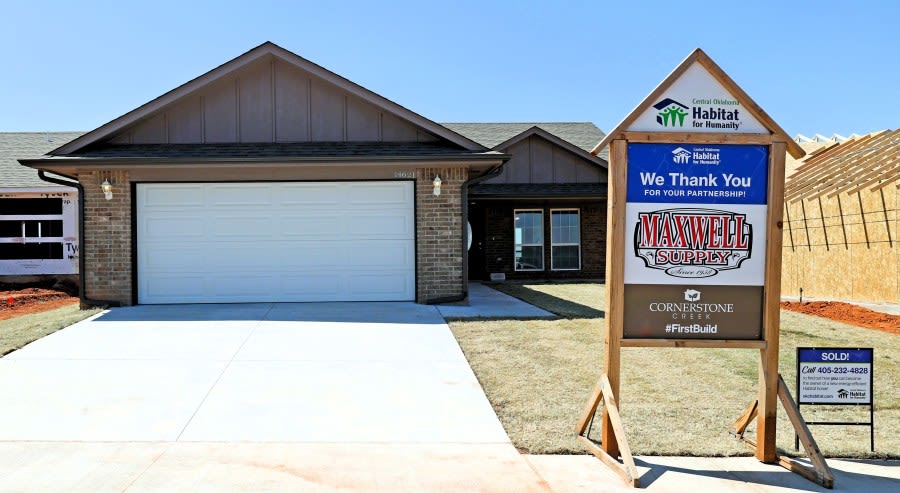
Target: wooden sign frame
point(613, 441)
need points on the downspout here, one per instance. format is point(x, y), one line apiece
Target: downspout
point(85, 301)
point(491, 173)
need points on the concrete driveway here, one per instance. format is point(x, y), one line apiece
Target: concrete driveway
point(313, 372)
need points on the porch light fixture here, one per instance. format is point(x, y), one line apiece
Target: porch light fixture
point(437, 185)
point(107, 189)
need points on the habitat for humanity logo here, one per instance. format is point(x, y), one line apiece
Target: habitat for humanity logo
point(681, 156)
point(692, 242)
point(670, 112)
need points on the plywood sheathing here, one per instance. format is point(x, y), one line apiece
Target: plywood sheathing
point(842, 215)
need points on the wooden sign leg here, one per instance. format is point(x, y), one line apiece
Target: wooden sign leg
point(603, 392)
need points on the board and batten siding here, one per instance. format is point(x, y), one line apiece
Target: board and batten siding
point(271, 101)
point(536, 160)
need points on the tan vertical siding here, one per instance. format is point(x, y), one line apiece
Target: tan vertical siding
point(272, 101)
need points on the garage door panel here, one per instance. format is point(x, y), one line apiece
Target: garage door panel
point(168, 288)
point(239, 195)
point(310, 194)
point(173, 228)
point(330, 241)
point(320, 226)
point(323, 285)
point(381, 254)
point(240, 226)
point(169, 258)
point(369, 287)
point(174, 196)
point(382, 194)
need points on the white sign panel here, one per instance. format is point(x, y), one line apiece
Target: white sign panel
point(697, 102)
point(677, 243)
point(834, 375)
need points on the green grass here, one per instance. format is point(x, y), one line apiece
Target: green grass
point(538, 375)
point(16, 332)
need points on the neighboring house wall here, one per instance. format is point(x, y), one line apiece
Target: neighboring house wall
point(38, 231)
point(854, 256)
point(842, 222)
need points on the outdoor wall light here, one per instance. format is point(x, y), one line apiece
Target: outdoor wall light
point(107, 189)
point(437, 185)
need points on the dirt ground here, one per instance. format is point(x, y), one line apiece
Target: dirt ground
point(847, 313)
point(16, 302)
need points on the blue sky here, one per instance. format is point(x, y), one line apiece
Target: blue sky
point(823, 66)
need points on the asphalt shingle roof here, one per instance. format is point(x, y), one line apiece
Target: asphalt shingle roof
point(22, 145)
point(582, 134)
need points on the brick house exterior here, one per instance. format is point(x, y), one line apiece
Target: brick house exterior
point(550, 174)
point(192, 172)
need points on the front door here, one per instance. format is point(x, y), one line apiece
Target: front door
point(477, 270)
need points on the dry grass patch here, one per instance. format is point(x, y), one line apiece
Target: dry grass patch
point(16, 332)
point(539, 373)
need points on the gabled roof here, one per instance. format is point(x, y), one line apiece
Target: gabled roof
point(869, 162)
point(17, 145)
point(698, 56)
point(110, 129)
point(581, 134)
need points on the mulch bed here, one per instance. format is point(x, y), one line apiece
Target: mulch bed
point(14, 303)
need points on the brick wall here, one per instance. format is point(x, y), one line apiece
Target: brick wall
point(439, 234)
point(107, 237)
point(499, 237)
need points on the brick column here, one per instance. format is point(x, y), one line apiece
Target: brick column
point(439, 234)
point(107, 237)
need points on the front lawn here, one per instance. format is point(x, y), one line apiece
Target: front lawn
point(19, 331)
point(538, 375)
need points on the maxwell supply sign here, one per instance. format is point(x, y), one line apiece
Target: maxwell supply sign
point(834, 375)
point(697, 102)
point(693, 311)
point(697, 214)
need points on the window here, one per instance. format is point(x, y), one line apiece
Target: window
point(31, 229)
point(565, 239)
point(529, 239)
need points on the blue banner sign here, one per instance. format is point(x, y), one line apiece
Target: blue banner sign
point(834, 355)
point(698, 173)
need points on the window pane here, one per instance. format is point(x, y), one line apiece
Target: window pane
point(530, 258)
point(529, 240)
point(565, 257)
point(565, 227)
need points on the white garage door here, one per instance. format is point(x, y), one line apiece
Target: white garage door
point(244, 242)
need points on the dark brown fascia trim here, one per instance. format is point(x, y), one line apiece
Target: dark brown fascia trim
point(72, 162)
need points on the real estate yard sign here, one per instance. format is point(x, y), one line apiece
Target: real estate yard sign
point(696, 192)
point(834, 375)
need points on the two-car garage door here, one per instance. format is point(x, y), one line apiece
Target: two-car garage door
point(245, 242)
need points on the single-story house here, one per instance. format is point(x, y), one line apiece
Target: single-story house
point(544, 216)
point(38, 220)
point(270, 178)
